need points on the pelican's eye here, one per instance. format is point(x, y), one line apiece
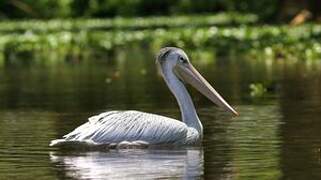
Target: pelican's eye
point(182, 60)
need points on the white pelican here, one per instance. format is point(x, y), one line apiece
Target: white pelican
point(140, 128)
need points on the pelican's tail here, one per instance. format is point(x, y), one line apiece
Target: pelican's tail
point(57, 142)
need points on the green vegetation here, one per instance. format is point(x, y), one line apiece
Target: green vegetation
point(120, 23)
point(257, 89)
point(68, 28)
point(266, 41)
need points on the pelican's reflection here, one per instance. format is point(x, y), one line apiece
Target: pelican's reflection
point(132, 164)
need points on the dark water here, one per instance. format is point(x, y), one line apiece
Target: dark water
point(278, 134)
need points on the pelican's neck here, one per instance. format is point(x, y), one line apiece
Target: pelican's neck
point(188, 112)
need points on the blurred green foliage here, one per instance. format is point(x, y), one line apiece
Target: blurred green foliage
point(257, 89)
point(121, 23)
point(274, 42)
point(110, 8)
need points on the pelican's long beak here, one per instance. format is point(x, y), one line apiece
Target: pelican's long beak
point(189, 74)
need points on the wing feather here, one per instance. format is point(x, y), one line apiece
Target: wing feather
point(117, 126)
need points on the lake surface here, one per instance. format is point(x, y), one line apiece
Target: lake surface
point(278, 134)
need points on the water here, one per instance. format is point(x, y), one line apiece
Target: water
point(277, 135)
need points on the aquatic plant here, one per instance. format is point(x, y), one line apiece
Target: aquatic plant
point(260, 42)
point(122, 23)
point(257, 89)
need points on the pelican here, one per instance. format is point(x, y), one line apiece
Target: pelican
point(141, 128)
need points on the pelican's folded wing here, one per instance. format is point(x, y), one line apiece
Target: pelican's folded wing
point(118, 126)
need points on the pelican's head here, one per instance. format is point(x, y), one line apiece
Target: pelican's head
point(175, 60)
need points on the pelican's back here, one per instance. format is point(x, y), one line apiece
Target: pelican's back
point(119, 126)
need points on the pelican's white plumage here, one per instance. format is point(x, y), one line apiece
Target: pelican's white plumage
point(116, 127)
point(119, 126)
